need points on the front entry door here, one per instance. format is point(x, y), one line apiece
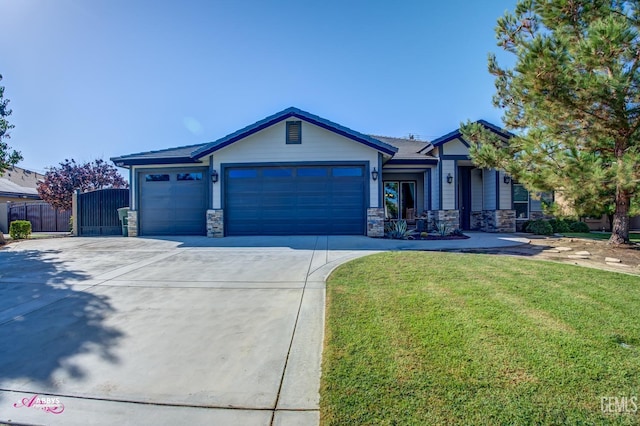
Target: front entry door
point(464, 197)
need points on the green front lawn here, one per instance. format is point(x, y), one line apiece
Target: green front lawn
point(415, 338)
point(634, 237)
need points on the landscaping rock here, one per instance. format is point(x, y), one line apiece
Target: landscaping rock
point(563, 248)
point(612, 260)
point(583, 253)
point(578, 256)
point(551, 251)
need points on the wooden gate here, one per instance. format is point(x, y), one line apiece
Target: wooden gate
point(42, 216)
point(97, 212)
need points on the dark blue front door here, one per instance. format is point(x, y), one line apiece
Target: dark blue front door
point(295, 200)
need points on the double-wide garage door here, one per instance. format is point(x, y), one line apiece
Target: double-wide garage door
point(173, 202)
point(295, 200)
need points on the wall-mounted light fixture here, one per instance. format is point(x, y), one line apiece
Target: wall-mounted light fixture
point(214, 176)
point(374, 174)
point(449, 178)
point(506, 179)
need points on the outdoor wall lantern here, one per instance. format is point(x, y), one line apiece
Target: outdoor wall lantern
point(374, 174)
point(214, 176)
point(506, 179)
point(449, 178)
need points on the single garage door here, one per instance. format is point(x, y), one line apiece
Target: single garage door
point(310, 200)
point(173, 202)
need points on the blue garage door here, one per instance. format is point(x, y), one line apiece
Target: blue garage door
point(173, 202)
point(310, 200)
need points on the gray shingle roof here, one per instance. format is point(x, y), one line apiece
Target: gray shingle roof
point(161, 156)
point(8, 187)
point(408, 149)
point(192, 153)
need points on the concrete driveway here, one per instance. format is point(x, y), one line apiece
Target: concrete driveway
point(170, 331)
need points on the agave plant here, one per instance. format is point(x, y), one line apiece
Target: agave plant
point(398, 230)
point(442, 229)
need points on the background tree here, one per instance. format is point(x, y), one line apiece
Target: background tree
point(573, 100)
point(59, 183)
point(8, 157)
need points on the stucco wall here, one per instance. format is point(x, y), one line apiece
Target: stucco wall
point(269, 146)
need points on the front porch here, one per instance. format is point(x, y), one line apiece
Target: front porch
point(453, 194)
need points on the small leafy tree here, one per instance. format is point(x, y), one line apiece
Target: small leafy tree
point(59, 183)
point(573, 100)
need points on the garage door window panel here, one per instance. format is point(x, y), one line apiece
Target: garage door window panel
point(347, 171)
point(315, 172)
point(189, 177)
point(277, 173)
point(156, 178)
point(243, 173)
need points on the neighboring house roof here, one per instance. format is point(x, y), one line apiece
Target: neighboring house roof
point(192, 153)
point(19, 183)
point(456, 134)
point(409, 150)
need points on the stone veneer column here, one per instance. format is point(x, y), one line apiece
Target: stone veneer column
point(448, 218)
point(375, 222)
point(499, 220)
point(132, 223)
point(476, 221)
point(215, 223)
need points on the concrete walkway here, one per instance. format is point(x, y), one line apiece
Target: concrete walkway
point(173, 330)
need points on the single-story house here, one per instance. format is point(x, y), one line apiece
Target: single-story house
point(19, 185)
point(294, 173)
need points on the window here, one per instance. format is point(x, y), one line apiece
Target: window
point(294, 132)
point(520, 201)
point(277, 173)
point(312, 172)
point(398, 198)
point(243, 173)
point(156, 178)
point(347, 171)
point(189, 176)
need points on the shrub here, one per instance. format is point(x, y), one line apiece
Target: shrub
point(423, 235)
point(559, 225)
point(525, 225)
point(540, 227)
point(457, 232)
point(578, 226)
point(20, 229)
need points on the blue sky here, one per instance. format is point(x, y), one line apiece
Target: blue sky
point(98, 78)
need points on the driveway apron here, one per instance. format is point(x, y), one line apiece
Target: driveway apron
point(142, 331)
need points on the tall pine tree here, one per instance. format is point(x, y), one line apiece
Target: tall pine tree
point(573, 100)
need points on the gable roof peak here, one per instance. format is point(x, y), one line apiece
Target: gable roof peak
point(304, 115)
